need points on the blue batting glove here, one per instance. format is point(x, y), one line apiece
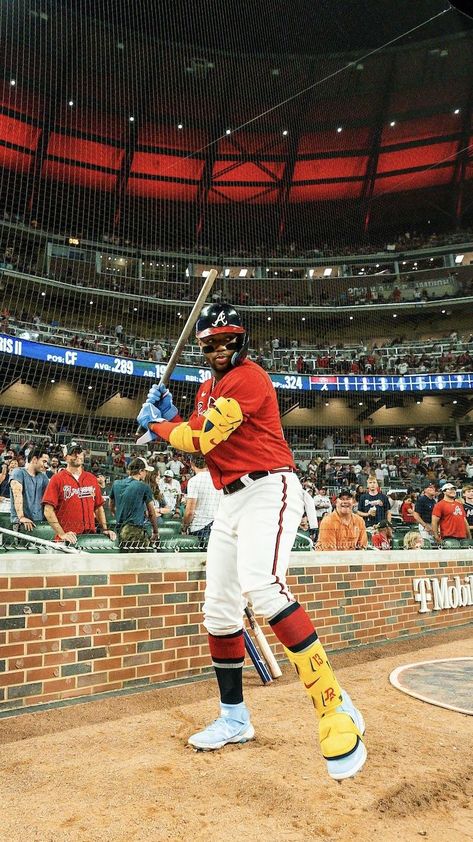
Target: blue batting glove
point(157, 392)
point(148, 414)
point(161, 397)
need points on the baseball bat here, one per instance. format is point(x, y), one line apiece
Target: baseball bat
point(255, 656)
point(186, 331)
point(263, 644)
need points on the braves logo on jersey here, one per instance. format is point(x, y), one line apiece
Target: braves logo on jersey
point(201, 406)
point(220, 320)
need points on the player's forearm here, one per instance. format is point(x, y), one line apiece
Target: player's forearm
point(183, 435)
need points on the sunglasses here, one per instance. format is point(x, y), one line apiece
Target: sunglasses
point(230, 345)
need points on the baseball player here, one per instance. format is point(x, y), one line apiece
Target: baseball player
point(236, 425)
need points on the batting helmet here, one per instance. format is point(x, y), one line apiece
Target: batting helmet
point(223, 318)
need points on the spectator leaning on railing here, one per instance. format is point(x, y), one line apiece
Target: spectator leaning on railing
point(202, 500)
point(27, 486)
point(130, 499)
point(342, 529)
point(73, 501)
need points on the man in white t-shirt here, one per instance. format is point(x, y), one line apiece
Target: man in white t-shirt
point(202, 500)
point(322, 503)
point(170, 490)
point(175, 465)
point(381, 474)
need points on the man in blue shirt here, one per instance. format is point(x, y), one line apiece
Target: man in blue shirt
point(373, 504)
point(27, 486)
point(131, 499)
point(423, 511)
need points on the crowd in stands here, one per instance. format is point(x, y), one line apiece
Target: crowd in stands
point(396, 484)
point(44, 484)
point(356, 505)
point(448, 353)
point(409, 239)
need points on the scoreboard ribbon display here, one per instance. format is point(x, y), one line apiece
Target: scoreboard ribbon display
point(12, 346)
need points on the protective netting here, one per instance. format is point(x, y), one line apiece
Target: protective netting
point(323, 169)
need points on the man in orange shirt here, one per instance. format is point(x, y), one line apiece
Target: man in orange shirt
point(342, 529)
point(449, 516)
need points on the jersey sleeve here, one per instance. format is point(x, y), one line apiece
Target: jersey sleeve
point(249, 387)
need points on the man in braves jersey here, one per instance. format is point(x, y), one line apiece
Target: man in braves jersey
point(449, 517)
point(73, 501)
point(236, 426)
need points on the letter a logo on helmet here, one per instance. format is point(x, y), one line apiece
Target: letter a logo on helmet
point(223, 318)
point(220, 320)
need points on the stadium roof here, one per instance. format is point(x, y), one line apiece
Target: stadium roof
point(104, 107)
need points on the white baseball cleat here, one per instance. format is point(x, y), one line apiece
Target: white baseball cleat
point(232, 726)
point(348, 723)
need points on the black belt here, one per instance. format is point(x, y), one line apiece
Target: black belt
point(237, 484)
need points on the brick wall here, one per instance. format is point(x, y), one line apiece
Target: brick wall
point(65, 635)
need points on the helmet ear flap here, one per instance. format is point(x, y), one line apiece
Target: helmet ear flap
point(239, 355)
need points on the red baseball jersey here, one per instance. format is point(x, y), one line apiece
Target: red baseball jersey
point(258, 444)
point(74, 500)
point(452, 518)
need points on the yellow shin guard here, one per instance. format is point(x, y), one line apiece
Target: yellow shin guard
point(338, 734)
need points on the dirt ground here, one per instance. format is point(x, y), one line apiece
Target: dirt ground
point(119, 769)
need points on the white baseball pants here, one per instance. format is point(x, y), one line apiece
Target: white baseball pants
point(249, 549)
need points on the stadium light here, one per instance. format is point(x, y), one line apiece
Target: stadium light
point(392, 123)
point(13, 82)
point(457, 111)
point(339, 129)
